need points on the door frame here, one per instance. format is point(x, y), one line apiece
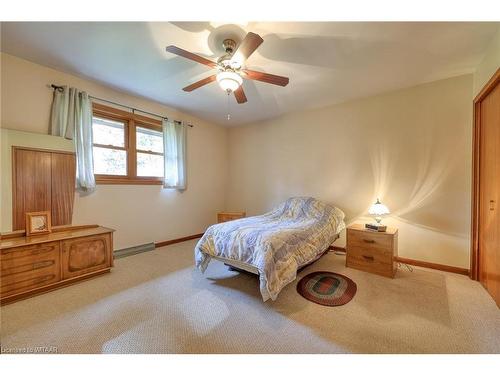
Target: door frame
point(476, 139)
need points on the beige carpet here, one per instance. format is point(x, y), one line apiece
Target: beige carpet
point(157, 302)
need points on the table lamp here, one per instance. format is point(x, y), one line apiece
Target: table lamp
point(377, 210)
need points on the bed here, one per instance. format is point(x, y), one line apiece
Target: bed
point(274, 245)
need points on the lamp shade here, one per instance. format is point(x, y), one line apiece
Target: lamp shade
point(229, 80)
point(378, 209)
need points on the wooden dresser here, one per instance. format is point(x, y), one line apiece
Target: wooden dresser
point(372, 251)
point(37, 264)
point(228, 216)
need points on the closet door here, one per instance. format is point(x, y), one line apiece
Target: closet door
point(489, 193)
point(63, 187)
point(43, 180)
point(32, 184)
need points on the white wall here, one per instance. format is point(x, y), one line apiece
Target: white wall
point(489, 64)
point(140, 214)
point(411, 148)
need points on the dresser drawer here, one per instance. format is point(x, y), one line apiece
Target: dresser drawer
point(22, 252)
point(29, 267)
point(370, 240)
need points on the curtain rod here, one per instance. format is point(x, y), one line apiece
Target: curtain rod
point(59, 88)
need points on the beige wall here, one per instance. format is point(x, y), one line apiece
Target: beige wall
point(411, 148)
point(489, 64)
point(140, 214)
point(9, 138)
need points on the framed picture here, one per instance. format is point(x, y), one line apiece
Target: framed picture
point(38, 223)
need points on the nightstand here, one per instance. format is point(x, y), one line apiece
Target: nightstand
point(372, 251)
point(228, 216)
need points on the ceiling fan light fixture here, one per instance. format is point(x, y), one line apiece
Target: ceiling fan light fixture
point(229, 80)
point(231, 67)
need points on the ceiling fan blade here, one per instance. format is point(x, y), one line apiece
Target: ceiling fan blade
point(265, 77)
point(191, 56)
point(200, 83)
point(240, 96)
point(247, 46)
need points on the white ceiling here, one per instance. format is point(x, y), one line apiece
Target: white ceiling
point(327, 62)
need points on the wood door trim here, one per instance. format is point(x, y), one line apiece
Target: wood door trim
point(13, 189)
point(488, 87)
point(474, 252)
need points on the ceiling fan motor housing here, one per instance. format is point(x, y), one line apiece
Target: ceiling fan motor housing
point(229, 45)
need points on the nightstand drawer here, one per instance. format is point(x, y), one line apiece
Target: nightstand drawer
point(370, 256)
point(372, 265)
point(372, 240)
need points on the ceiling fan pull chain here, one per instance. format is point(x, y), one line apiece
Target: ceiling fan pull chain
point(228, 114)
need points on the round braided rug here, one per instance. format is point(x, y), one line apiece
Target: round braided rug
point(327, 288)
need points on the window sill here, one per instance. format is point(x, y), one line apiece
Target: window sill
point(128, 181)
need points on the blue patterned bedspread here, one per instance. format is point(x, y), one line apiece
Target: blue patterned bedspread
point(277, 243)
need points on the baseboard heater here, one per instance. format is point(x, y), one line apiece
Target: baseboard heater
point(122, 253)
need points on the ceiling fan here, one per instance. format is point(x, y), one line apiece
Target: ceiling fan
point(231, 70)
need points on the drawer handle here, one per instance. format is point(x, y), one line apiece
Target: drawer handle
point(368, 241)
point(368, 257)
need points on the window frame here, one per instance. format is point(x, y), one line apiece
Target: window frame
point(131, 120)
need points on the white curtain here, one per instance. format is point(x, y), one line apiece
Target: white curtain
point(174, 144)
point(71, 117)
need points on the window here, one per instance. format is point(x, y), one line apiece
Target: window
point(127, 148)
point(110, 154)
point(149, 152)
